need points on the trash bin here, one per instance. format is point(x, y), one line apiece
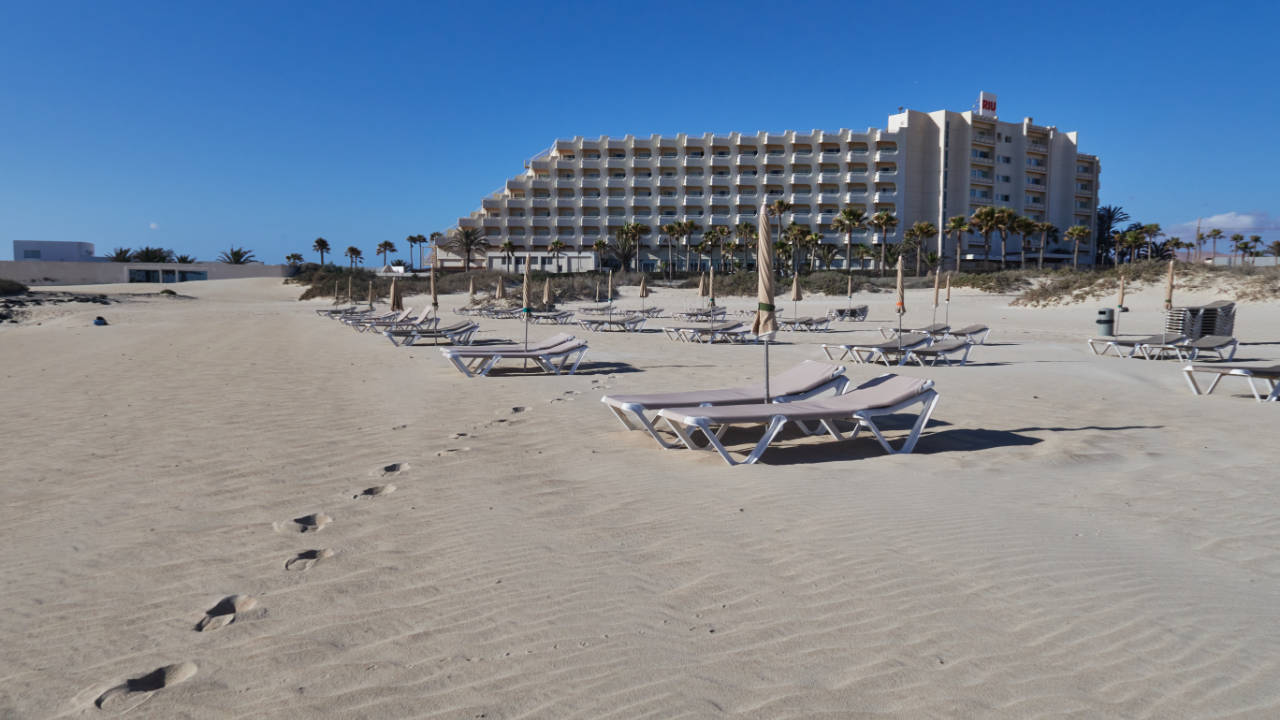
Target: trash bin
point(1106, 322)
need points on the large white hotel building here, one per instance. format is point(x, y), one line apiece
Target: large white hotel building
point(923, 167)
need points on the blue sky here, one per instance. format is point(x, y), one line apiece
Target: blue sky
point(198, 126)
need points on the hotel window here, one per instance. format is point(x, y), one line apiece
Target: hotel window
point(668, 212)
point(1084, 186)
point(564, 192)
point(617, 155)
point(1033, 180)
point(979, 194)
point(641, 192)
point(615, 192)
point(590, 154)
point(642, 212)
point(721, 152)
point(591, 193)
point(1004, 178)
point(1035, 162)
point(516, 231)
point(1003, 197)
point(564, 212)
point(801, 170)
point(1082, 204)
point(667, 193)
point(748, 151)
point(980, 174)
point(668, 152)
point(980, 154)
point(1035, 200)
point(617, 174)
point(694, 153)
point(616, 212)
point(542, 175)
point(565, 175)
point(830, 149)
point(643, 154)
point(1083, 169)
point(773, 151)
point(720, 172)
point(541, 194)
point(591, 212)
point(515, 212)
point(591, 175)
point(804, 150)
point(693, 172)
point(1005, 160)
point(542, 232)
point(542, 212)
point(668, 173)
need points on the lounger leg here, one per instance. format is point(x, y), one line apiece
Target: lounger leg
point(461, 364)
point(930, 401)
point(1231, 354)
point(1191, 380)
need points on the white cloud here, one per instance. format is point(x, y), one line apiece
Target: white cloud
point(1245, 223)
point(155, 226)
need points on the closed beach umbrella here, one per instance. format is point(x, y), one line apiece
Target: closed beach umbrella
point(795, 288)
point(546, 293)
point(1119, 306)
point(644, 290)
point(609, 289)
point(524, 292)
point(370, 293)
point(1168, 289)
point(765, 324)
point(902, 301)
point(597, 291)
point(500, 293)
point(1120, 302)
point(937, 286)
point(902, 293)
point(702, 285)
point(396, 302)
point(471, 288)
point(335, 292)
point(948, 316)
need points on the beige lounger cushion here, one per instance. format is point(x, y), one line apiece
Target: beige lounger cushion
point(878, 393)
point(802, 378)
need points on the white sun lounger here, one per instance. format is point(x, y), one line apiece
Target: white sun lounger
point(624, 323)
point(934, 330)
point(1269, 374)
point(1134, 345)
point(1222, 345)
point(334, 312)
point(459, 333)
point(885, 395)
point(478, 361)
point(805, 380)
point(878, 352)
point(857, 313)
point(402, 321)
point(975, 334)
point(943, 350)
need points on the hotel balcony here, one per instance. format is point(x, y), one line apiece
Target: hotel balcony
point(669, 162)
point(590, 164)
point(984, 139)
point(543, 202)
point(1037, 147)
point(887, 196)
point(830, 197)
point(719, 220)
point(990, 179)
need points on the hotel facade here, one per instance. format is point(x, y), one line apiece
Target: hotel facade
point(923, 167)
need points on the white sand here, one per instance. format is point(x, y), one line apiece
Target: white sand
point(1074, 537)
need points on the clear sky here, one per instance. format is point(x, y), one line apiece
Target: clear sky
point(198, 126)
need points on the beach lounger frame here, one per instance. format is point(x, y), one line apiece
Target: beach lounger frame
point(1269, 375)
point(633, 415)
point(939, 350)
point(477, 362)
point(1136, 345)
point(974, 334)
point(460, 334)
point(871, 353)
point(686, 427)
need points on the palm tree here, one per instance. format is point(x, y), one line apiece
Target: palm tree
point(924, 230)
point(627, 242)
point(466, 242)
point(1023, 227)
point(1274, 247)
point(354, 256)
point(291, 258)
point(984, 222)
point(384, 247)
point(746, 232)
point(777, 209)
point(883, 222)
point(508, 250)
point(1214, 236)
point(601, 246)
point(863, 254)
point(1255, 246)
point(121, 255)
point(850, 220)
point(813, 245)
point(321, 246)
point(421, 242)
point(714, 239)
point(827, 255)
point(1238, 245)
point(150, 254)
point(236, 256)
point(1045, 229)
point(557, 248)
point(1075, 233)
point(435, 240)
point(1005, 221)
point(957, 225)
point(188, 259)
point(909, 240)
point(796, 236)
point(1107, 218)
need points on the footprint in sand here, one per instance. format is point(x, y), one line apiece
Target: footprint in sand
point(134, 691)
point(376, 490)
point(228, 610)
point(394, 468)
point(447, 451)
point(307, 523)
point(308, 558)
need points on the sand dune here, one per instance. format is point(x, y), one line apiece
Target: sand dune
point(1074, 536)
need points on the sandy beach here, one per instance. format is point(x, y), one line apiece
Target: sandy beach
point(1075, 536)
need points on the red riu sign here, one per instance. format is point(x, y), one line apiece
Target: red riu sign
point(989, 105)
